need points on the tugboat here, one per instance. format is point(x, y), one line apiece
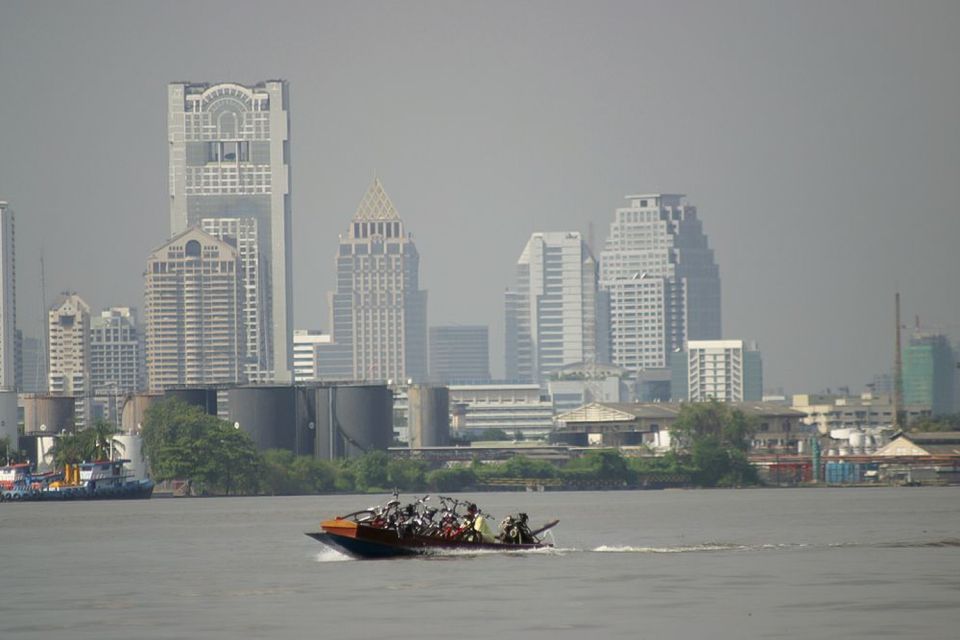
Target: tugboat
point(390, 530)
point(103, 479)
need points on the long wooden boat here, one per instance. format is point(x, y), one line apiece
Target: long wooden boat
point(366, 541)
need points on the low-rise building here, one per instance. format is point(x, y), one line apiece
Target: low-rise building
point(512, 408)
point(865, 412)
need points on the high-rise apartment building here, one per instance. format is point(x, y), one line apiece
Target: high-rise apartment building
point(230, 158)
point(241, 233)
point(929, 367)
point(725, 370)
point(116, 353)
point(551, 315)
point(661, 279)
point(378, 312)
point(193, 294)
point(459, 354)
point(68, 339)
point(8, 300)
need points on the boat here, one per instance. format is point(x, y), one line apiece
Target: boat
point(390, 531)
point(98, 480)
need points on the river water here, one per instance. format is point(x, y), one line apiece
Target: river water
point(774, 563)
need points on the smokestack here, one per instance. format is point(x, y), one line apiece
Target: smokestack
point(897, 371)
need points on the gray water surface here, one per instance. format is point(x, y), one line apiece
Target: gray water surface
point(799, 563)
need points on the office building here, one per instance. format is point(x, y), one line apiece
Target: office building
point(305, 342)
point(193, 295)
point(230, 158)
point(379, 313)
point(241, 234)
point(116, 353)
point(724, 370)
point(551, 314)
point(459, 354)
point(8, 300)
point(929, 367)
point(68, 337)
point(662, 281)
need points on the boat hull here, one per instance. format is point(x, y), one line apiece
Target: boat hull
point(363, 541)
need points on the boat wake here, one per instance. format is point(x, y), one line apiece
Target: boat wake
point(683, 549)
point(329, 554)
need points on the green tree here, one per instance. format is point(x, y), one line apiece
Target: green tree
point(941, 423)
point(713, 439)
point(371, 470)
point(451, 479)
point(406, 475)
point(102, 433)
point(184, 442)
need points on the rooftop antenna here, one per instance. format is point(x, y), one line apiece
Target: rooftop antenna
point(897, 371)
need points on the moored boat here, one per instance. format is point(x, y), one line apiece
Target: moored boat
point(389, 530)
point(99, 480)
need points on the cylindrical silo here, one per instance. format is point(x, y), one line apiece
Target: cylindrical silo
point(130, 447)
point(352, 420)
point(203, 397)
point(268, 414)
point(134, 409)
point(8, 417)
point(47, 414)
point(429, 416)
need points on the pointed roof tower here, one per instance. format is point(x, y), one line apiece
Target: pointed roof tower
point(376, 205)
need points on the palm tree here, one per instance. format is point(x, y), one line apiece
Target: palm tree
point(102, 437)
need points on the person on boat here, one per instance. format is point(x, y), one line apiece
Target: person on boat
point(479, 523)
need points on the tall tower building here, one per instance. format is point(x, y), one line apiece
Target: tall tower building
point(661, 279)
point(551, 315)
point(193, 295)
point(379, 313)
point(8, 300)
point(116, 352)
point(241, 233)
point(230, 158)
point(928, 371)
point(68, 338)
point(459, 353)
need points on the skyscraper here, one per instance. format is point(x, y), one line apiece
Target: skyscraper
point(230, 158)
point(551, 315)
point(459, 353)
point(662, 281)
point(68, 338)
point(241, 233)
point(928, 371)
point(193, 295)
point(116, 352)
point(379, 313)
point(8, 300)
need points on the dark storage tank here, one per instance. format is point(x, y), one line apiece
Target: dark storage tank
point(47, 414)
point(352, 420)
point(268, 414)
point(428, 416)
point(203, 397)
point(134, 410)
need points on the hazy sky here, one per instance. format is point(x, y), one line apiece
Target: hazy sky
point(820, 142)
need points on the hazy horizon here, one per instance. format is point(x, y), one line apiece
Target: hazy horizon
point(819, 141)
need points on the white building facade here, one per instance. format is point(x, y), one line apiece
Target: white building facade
point(551, 315)
point(230, 158)
point(193, 295)
point(724, 370)
point(68, 338)
point(662, 281)
point(305, 342)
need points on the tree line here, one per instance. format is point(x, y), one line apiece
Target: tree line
point(184, 442)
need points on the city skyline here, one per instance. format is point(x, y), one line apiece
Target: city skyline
point(818, 185)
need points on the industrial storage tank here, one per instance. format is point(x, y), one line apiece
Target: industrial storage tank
point(352, 420)
point(8, 417)
point(203, 397)
point(135, 409)
point(268, 414)
point(47, 414)
point(428, 416)
point(130, 447)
